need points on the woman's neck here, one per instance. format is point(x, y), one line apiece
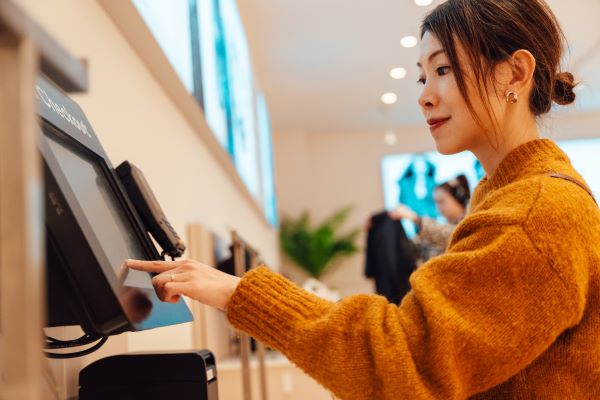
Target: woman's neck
point(491, 154)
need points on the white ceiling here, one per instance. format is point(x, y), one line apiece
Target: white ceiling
point(324, 64)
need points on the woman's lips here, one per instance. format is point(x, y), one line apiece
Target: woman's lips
point(435, 123)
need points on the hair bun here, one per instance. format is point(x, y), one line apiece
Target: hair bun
point(563, 93)
point(458, 188)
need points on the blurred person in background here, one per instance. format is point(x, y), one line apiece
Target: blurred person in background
point(452, 200)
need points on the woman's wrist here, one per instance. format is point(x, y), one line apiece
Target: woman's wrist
point(414, 217)
point(231, 284)
point(419, 223)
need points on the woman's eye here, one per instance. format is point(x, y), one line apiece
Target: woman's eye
point(441, 71)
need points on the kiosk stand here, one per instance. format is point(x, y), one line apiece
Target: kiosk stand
point(25, 51)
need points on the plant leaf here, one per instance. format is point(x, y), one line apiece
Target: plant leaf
point(315, 249)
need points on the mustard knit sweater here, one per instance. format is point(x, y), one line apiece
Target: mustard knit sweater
point(510, 311)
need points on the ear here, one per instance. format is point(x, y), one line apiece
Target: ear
point(522, 64)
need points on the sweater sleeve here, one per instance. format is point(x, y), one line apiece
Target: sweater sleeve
point(475, 317)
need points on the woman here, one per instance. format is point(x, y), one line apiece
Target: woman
point(512, 309)
point(451, 199)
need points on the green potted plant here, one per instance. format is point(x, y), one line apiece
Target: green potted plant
point(315, 249)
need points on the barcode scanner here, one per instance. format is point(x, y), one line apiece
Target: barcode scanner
point(149, 210)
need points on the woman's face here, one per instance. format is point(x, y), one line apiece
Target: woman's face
point(447, 205)
point(450, 121)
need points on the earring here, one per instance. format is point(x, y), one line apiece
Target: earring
point(512, 97)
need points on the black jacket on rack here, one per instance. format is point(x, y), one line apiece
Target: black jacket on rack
point(390, 257)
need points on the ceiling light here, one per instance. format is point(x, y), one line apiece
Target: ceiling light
point(423, 3)
point(389, 98)
point(390, 138)
point(398, 73)
point(408, 41)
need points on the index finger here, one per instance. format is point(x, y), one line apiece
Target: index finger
point(152, 266)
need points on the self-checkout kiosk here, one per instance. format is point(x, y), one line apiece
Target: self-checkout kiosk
point(96, 218)
point(181, 375)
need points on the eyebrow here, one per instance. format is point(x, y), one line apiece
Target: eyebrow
point(431, 56)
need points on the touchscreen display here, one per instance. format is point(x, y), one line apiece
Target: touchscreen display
point(103, 212)
point(108, 226)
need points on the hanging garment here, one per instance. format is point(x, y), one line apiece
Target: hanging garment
point(390, 257)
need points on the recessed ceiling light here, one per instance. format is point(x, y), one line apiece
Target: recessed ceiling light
point(408, 41)
point(390, 138)
point(423, 3)
point(389, 98)
point(398, 73)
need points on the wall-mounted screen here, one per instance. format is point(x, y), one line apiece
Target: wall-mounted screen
point(206, 43)
point(169, 22)
point(266, 160)
point(215, 86)
point(241, 90)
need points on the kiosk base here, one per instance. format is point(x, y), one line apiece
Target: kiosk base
point(151, 376)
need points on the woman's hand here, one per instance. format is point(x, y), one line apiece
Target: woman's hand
point(403, 212)
point(189, 278)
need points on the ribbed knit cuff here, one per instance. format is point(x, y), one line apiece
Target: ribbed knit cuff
point(269, 307)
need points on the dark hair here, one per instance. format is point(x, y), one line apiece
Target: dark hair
point(458, 188)
point(490, 32)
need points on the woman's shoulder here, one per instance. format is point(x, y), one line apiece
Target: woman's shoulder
point(564, 225)
point(556, 216)
point(551, 193)
point(562, 204)
point(539, 203)
point(561, 217)
point(509, 204)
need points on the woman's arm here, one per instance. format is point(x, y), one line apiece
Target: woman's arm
point(470, 322)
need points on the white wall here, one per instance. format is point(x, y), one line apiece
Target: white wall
point(135, 120)
point(324, 172)
point(321, 172)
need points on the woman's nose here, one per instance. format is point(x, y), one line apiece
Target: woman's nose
point(428, 98)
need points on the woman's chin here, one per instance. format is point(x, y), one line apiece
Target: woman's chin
point(447, 147)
